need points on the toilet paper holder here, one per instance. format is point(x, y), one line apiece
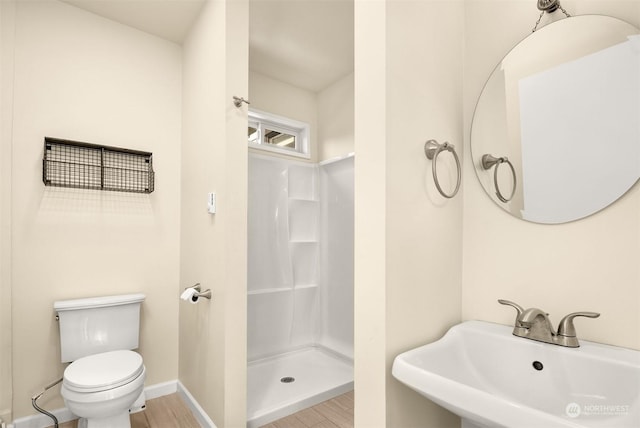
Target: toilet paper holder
point(197, 293)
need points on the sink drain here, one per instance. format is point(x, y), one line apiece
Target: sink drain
point(287, 379)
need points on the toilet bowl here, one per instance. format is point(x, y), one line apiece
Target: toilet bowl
point(101, 388)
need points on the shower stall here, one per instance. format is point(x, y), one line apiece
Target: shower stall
point(300, 285)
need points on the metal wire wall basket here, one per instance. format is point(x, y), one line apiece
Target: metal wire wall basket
point(80, 165)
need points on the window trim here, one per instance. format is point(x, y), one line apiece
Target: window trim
point(300, 130)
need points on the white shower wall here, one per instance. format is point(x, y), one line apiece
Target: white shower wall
point(300, 273)
point(336, 255)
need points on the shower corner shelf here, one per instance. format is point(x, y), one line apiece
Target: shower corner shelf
point(67, 163)
point(305, 286)
point(299, 199)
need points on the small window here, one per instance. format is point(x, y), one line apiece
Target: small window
point(279, 134)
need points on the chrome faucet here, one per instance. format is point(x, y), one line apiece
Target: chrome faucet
point(534, 324)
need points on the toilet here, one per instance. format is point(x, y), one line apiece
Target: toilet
point(105, 377)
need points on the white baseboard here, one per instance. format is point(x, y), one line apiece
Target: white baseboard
point(198, 412)
point(160, 389)
point(152, 391)
point(42, 421)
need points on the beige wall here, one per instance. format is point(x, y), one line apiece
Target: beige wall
point(81, 77)
point(587, 265)
point(335, 119)
point(212, 363)
point(369, 214)
point(424, 235)
point(408, 81)
point(7, 12)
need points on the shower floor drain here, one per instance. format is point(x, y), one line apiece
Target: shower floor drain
point(287, 379)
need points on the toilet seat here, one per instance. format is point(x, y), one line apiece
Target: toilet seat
point(103, 371)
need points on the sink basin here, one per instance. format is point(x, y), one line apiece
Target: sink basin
point(490, 378)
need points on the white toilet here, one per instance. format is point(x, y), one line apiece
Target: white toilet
point(105, 377)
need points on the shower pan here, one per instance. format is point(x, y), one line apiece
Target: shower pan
point(300, 285)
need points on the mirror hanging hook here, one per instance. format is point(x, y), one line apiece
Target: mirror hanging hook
point(548, 6)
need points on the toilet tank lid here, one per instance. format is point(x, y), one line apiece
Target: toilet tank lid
point(97, 302)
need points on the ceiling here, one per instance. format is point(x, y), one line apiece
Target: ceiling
point(306, 43)
point(168, 19)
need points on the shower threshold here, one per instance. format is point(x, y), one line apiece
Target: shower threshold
point(284, 384)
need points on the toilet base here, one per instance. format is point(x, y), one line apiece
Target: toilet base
point(118, 421)
point(139, 405)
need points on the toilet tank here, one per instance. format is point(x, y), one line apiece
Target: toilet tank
point(98, 324)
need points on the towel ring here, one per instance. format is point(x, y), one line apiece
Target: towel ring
point(489, 161)
point(432, 149)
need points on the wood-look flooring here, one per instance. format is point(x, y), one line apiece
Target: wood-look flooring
point(334, 413)
point(170, 411)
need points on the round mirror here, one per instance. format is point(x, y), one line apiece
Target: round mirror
point(555, 135)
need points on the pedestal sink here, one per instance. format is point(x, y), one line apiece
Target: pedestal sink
point(490, 378)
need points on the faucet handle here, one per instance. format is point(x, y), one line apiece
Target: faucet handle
point(566, 327)
point(517, 307)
